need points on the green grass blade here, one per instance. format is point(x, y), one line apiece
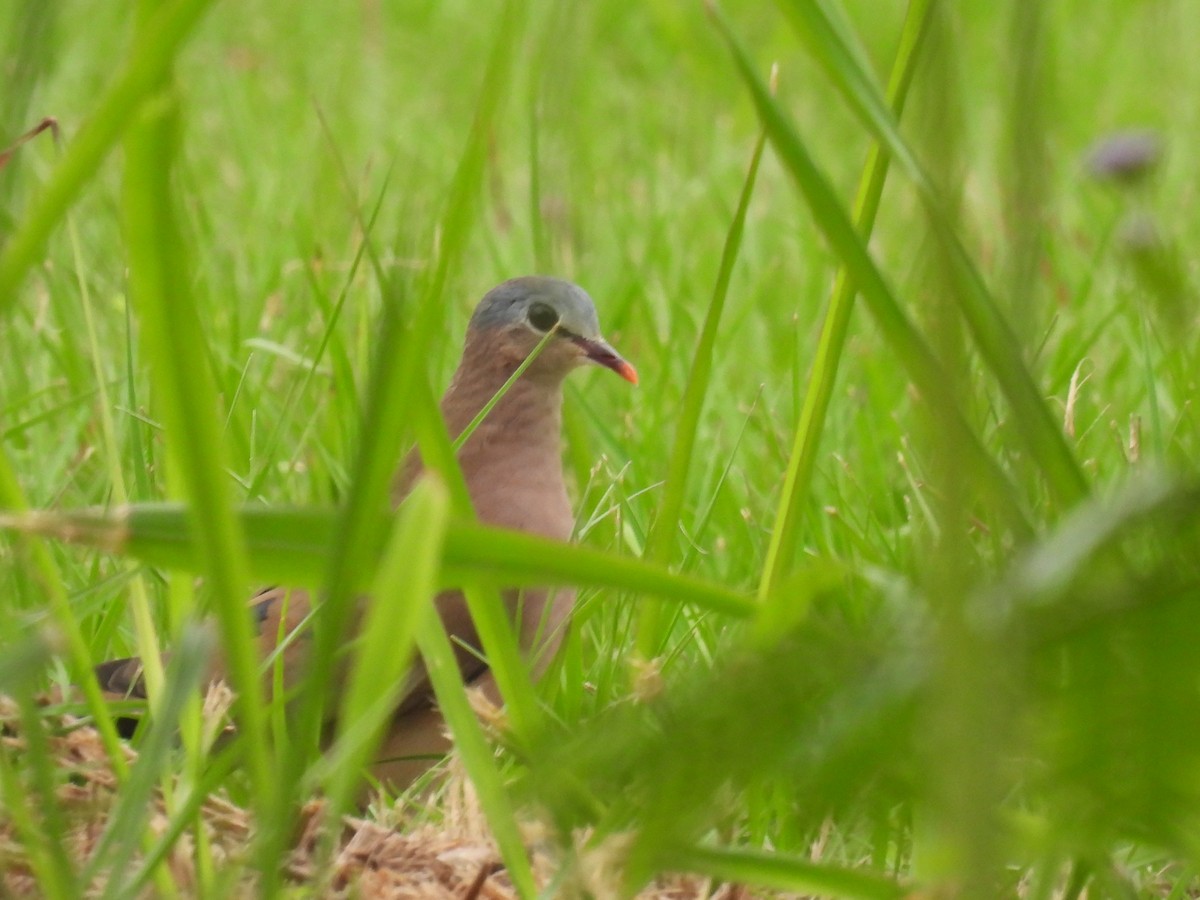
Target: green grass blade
point(496, 633)
point(123, 836)
point(475, 750)
point(997, 342)
point(404, 586)
point(824, 39)
point(483, 413)
point(292, 546)
point(510, 556)
point(174, 343)
point(899, 332)
point(147, 638)
point(835, 329)
point(141, 457)
point(399, 356)
point(660, 544)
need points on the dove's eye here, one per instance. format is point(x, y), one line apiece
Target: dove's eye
point(542, 316)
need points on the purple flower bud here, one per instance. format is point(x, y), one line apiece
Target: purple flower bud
point(1126, 156)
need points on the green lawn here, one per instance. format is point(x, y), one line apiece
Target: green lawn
point(886, 564)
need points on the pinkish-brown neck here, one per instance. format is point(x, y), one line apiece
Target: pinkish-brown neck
point(513, 459)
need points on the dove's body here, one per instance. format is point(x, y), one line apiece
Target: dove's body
point(512, 464)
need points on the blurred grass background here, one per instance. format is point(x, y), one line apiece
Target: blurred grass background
point(934, 693)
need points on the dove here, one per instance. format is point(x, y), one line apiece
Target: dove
point(512, 466)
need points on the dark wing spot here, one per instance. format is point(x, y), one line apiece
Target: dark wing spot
point(261, 605)
point(122, 679)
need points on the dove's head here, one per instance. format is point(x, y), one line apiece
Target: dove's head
point(513, 318)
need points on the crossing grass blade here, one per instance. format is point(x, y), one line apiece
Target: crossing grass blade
point(292, 546)
point(998, 343)
point(901, 334)
point(835, 328)
point(496, 634)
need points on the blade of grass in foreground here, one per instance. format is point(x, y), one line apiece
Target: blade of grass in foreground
point(487, 611)
point(407, 578)
point(661, 542)
point(75, 649)
point(123, 835)
point(139, 600)
point(825, 40)
point(174, 343)
point(396, 374)
point(437, 449)
point(151, 57)
point(496, 633)
point(998, 344)
point(834, 330)
point(474, 749)
point(292, 546)
point(901, 335)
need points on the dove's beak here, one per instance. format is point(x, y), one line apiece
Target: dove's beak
point(601, 352)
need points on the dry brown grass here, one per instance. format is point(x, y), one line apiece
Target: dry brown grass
point(378, 856)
